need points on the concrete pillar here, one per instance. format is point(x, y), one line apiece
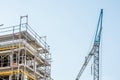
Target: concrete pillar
point(10, 77)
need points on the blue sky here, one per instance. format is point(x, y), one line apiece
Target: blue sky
point(70, 26)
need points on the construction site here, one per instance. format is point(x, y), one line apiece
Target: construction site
point(24, 55)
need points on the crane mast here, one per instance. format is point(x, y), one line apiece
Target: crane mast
point(94, 51)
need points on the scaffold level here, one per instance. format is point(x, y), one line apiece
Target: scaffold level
point(24, 55)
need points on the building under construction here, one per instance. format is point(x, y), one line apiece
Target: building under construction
point(24, 55)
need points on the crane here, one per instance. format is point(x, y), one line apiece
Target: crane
point(94, 51)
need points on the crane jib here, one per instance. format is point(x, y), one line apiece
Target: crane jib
point(94, 51)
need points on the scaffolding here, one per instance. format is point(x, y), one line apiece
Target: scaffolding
point(24, 55)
